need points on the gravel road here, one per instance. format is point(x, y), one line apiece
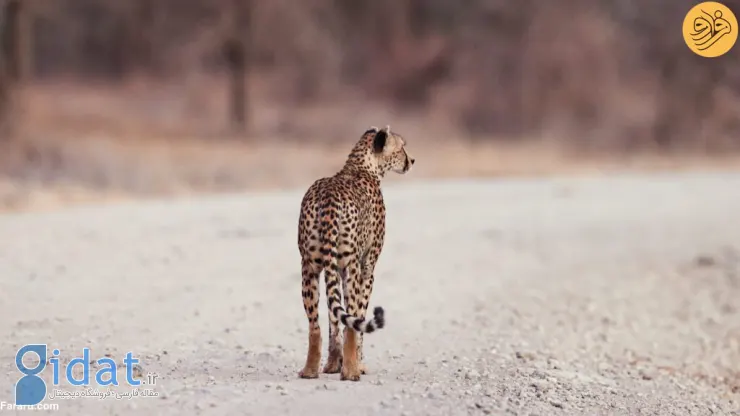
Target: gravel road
point(615, 295)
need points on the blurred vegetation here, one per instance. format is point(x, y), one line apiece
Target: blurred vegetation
point(612, 72)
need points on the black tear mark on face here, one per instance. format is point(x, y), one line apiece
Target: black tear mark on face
point(379, 141)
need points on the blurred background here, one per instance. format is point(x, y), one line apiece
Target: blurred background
point(107, 99)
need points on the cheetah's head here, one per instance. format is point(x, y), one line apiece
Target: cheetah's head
point(389, 150)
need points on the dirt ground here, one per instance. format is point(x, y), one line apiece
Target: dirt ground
point(51, 172)
point(610, 295)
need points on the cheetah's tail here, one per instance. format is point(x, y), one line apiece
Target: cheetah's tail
point(331, 275)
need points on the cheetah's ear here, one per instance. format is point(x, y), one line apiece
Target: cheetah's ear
point(371, 129)
point(379, 141)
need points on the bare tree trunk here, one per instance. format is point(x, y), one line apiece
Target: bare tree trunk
point(137, 48)
point(15, 59)
point(17, 39)
point(3, 72)
point(236, 49)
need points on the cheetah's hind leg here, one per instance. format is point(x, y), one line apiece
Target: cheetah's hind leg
point(310, 291)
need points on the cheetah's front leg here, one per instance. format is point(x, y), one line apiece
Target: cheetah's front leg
point(350, 364)
point(334, 362)
point(367, 280)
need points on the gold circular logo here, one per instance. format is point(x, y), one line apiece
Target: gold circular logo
point(710, 29)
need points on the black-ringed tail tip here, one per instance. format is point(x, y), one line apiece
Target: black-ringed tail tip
point(367, 327)
point(379, 317)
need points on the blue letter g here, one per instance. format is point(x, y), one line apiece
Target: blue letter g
point(30, 389)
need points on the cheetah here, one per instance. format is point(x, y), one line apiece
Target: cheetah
point(341, 229)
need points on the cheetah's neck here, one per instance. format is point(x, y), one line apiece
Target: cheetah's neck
point(361, 160)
